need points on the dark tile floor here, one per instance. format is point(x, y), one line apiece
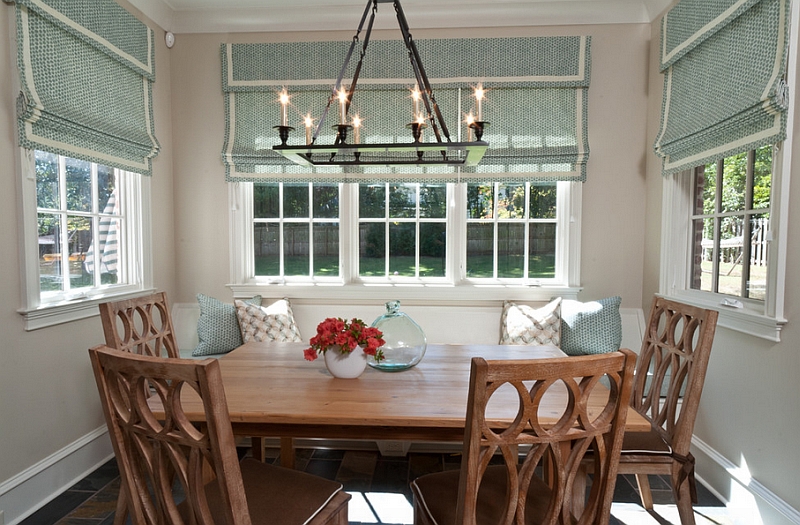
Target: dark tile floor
point(379, 485)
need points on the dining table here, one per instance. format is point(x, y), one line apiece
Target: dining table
point(272, 391)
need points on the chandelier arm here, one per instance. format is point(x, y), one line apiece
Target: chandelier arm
point(344, 68)
point(422, 76)
point(357, 72)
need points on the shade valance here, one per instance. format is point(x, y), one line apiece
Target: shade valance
point(536, 103)
point(86, 70)
point(724, 89)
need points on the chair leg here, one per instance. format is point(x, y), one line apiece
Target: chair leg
point(683, 498)
point(121, 512)
point(644, 491)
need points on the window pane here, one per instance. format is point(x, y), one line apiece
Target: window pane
point(402, 200)
point(266, 247)
point(511, 201)
point(432, 242)
point(734, 183)
point(757, 284)
point(433, 201)
point(295, 249)
point(266, 201)
point(542, 251)
point(479, 201)
point(372, 201)
point(106, 184)
point(49, 253)
point(510, 250)
point(47, 194)
point(543, 202)
point(762, 178)
point(372, 249)
point(709, 189)
point(295, 200)
point(326, 201)
point(80, 238)
point(480, 250)
point(730, 256)
point(402, 249)
point(326, 249)
point(79, 185)
point(704, 263)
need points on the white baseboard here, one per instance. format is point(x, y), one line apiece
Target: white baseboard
point(752, 486)
point(37, 485)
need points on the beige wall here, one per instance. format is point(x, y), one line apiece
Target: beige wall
point(748, 411)
point(48, 398)
point(613, 197)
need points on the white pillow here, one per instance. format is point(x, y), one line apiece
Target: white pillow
point(267, 323)
point(524, 325)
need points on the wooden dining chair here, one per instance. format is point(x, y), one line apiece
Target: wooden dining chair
point(142, 325)
point(667, 387)
point(157, 455)
point(537, 486)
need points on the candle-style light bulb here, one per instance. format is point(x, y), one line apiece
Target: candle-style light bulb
point(357, 129)
point(309, 124)
point(416, 96)
point(479, 95)
point(284, 98)
point(469, 120)
point(342, 106)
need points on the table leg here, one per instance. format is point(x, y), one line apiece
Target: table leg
point(257, 444)
point(287, 452)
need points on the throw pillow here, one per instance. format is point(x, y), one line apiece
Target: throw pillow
point(593, 327)
point(218, 328)
point(267, 323)
point(524, 325)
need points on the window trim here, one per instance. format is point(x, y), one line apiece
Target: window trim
point(351, 287)
point(82, 305)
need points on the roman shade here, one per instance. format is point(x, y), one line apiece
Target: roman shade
point(86, 72)
point(536, 105)
point(724, 88)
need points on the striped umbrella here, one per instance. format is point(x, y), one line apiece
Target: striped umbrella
point(107, 239)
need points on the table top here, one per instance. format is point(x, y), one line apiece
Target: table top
point(272, 390)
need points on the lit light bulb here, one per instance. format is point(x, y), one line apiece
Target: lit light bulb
point(342, 106)
point(416, 96)
point(357, 129)
point(479, 96)
point(309, 124)
point(284, 98)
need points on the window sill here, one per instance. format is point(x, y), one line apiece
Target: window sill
point(745, 320)
point(409, 292)
point(73, 310)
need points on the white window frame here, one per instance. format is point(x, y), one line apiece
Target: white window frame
point(430, 290)
point(83, 302)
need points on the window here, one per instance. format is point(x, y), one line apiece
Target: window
point(83, 235)
point(722, 239)
point(437, 239)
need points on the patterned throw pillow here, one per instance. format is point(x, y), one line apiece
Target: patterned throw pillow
point(523, 325)
point(591, 328)
point(267, 323)
point(218, 328)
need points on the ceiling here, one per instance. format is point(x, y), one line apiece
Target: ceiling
point(216, 16)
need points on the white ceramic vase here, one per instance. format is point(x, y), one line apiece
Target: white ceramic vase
point(346, 366)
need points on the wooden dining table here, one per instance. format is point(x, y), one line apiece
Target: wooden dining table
point(272, 391)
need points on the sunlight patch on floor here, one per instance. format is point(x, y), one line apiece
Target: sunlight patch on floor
point(635, 514)
point(390, 508)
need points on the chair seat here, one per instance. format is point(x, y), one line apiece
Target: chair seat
point(645, 443)
point(266, 487)
point(437, 495)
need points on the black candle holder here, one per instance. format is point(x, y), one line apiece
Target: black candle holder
point(283, 133)
point(416, 129)
point(341, 133)
point(479, 126)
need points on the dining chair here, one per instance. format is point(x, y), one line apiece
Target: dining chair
point(538, 462)
point(142, 325)
point(667, 387)
point(160, 458)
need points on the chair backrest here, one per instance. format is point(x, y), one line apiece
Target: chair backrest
point(154, 454)
point(142, 325)
point(580, 433)
point(672, 368)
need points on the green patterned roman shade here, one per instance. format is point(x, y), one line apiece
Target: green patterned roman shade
point(86, 70)
point(536, 105)
point(724, 89)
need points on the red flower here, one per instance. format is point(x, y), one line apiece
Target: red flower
point(333, 332)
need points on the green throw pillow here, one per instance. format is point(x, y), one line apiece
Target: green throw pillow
point(594, 327)
point(218, 327)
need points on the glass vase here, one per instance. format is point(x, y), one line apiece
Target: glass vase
point(405, 341)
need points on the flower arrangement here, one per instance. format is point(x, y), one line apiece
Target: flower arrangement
point(333, 332)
